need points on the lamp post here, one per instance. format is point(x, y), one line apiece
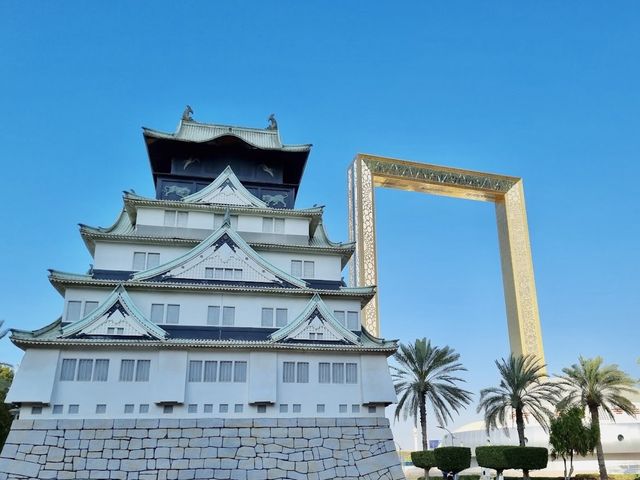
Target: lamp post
point(449, 432)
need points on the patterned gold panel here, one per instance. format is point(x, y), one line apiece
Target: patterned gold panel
point(369, 171)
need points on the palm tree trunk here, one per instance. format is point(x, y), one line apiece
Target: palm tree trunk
point(423, 422)
point(520, 427)
point(521, 439)
point(595, 421)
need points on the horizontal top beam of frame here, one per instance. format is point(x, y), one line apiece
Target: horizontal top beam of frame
point(437, 180)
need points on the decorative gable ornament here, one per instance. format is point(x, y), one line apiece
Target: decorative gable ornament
point(226, 189)
point(223, 249)
point(316, 322)
point(116, 316)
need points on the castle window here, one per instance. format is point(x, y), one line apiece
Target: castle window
point(85, 368)
point(296, 268)
point(142, 370)
point(352, 372)
point(240, 372)
point(208, 408)
point(128, 408)
point(210, 370)
point(213, 315)
point(73, 310)
point(101, 408)
point(224, 408)
point(349, 319)
point(73, 408)
point(284, 408)
point(173, 218)
point(68, 370)
point(355, 408)
point(320, 408)
point(89, 307)
point(297, 408)
point(36, 410)
point(293, 372)
point(158, 313)
point(342, 408)
point(145, 260)
point(228, 315)
point(143, 408)
point(192, 408)
point(262, 409)
point(225, 371)
point(195, 371)
point(197, 374)
point(127, 368)
point(238, 408)
point(57, 409)
point(167, 409)
point(173, 313)
point(267, 317)
point(281, 317)
point(273, 225)
point(289, 372)
point(302, 372)
point(338, 373)
point(324, 372)
point(303, 269)
point(132, 368)
point(372, 409)
point(309, 270)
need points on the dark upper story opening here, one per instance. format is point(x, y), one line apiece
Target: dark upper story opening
point(186, 161)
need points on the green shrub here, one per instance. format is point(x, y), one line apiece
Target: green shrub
point(452, 459)
point(527, 458)
point(493, 457)
point(424, 459)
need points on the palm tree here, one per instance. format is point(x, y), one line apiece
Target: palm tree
point(427, 373)
point(523, 390)
point(596, 387)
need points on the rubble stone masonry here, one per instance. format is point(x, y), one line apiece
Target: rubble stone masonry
point(207, 448)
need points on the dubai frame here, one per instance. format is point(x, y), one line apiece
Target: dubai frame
point(369, 171)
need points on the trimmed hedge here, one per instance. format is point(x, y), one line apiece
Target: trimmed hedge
point(493, 457)
point(452, 459)
point(527, 458)
point(424, 459)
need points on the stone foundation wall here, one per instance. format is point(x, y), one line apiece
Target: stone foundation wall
point(214, 448)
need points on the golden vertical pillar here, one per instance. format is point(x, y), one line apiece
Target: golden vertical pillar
point(369, 171)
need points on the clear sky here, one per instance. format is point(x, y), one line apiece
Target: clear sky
point(548, 91)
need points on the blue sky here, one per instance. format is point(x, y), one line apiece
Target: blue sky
point(547, 91)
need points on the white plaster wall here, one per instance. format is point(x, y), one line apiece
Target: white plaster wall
point(165, 384)
point(194, 305)
point(119, 256)
point(204, 220)
point(35, 377)
point(150, 216)
point(327, 267)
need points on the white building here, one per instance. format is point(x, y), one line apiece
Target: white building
point(215, 299)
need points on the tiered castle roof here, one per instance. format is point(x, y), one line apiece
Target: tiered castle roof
point(117, 321)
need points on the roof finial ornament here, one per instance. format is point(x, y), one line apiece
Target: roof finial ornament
point(273, 124)
point(187, 114)
point(227, 218)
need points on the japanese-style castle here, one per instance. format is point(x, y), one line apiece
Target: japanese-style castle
point(213, 336)
point(217, 298)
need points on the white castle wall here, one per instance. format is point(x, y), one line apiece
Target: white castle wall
point(154, 217)
point(119, 256)
point(168, 383)
point(194, 306)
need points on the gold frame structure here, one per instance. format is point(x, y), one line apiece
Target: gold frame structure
point(369, 171)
